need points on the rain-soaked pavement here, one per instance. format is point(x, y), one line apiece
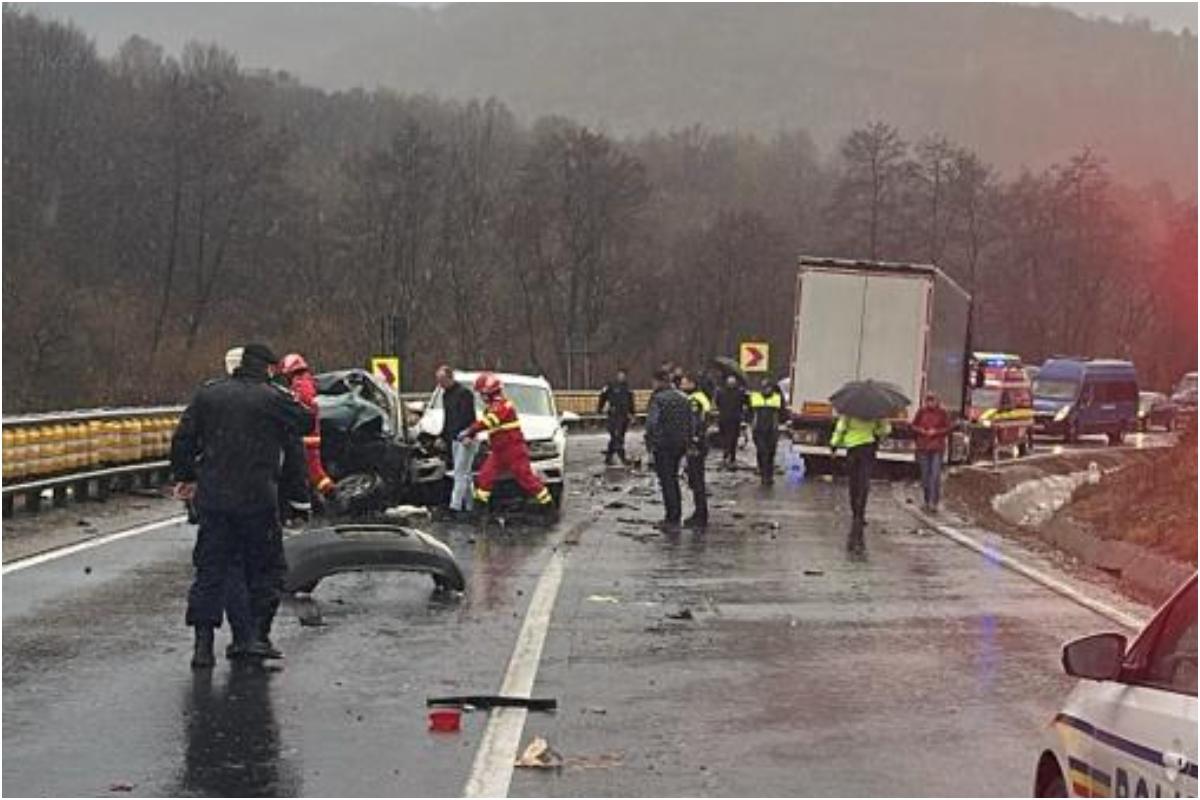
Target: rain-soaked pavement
point(754, 659)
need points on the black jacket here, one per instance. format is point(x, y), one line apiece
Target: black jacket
point(234, 440)
point(669, 420)
point(618, 398)
point(731, 403)
point(458, 408)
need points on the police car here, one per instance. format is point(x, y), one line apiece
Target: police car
point(1129, 727)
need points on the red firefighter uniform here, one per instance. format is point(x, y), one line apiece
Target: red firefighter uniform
point(304, 386)
point(507, 449)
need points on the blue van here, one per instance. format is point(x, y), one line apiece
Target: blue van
point(1073, 397)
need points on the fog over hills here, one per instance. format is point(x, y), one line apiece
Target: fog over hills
point(1024, 85)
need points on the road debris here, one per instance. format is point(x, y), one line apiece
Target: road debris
point(486, 702)
point(814, 572)
point(685, 614)
point(445, 720)
point(121, 786)
point(603, 598)
point(539, 755)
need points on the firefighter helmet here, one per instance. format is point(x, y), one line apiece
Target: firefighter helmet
point(293, 363)
point(488, 384)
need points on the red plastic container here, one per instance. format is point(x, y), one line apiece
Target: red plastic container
point(445, 720)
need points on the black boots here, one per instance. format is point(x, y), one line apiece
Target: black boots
point(202, 655)
point(855, 543)
point(699, 523)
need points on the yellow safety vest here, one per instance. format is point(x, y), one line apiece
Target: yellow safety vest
point(759, 400)
point(701, 399)
point(853, 432)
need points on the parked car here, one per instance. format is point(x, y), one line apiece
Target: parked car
point(543, 426)
point(1184, 396)
point(1156, 410)
point(1128, 729)
point(1074, 397)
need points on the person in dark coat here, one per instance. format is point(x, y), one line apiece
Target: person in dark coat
point(668, 431)
point(766, 414)
point(458, 414)
point(731, 404)
point(616, 399)
point(228, 456)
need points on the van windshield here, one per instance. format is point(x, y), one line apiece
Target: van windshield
point(1055, 390)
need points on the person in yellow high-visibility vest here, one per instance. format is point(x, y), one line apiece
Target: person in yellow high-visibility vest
point(766, 414)
point(860, 437)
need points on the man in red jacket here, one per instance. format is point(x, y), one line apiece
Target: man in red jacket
point(932, 425)
point(507, 451)
point(300, 378)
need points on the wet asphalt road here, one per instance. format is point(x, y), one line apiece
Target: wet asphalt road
point(923, 670)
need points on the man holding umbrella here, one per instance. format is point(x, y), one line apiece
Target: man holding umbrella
point(863, 408)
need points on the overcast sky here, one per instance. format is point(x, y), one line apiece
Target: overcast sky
point(1168, 16)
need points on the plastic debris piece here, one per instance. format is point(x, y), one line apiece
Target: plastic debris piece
point(684, 614)
point(538, 754)
point(445, 719)
point(603, 598)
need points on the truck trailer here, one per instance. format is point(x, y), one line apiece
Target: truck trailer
point(908, 324)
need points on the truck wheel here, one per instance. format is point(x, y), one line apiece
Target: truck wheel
point(1072, 434)
point(1116, 437)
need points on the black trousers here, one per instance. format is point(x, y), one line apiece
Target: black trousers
point(728, 431)
point(666, 465)
point(265, 577)
point(765, 444)
point(859, 462)
point(231, 573)
point(694, 469)
point(617, 425)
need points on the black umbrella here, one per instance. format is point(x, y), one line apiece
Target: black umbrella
point(727, 366)
point(869, 399)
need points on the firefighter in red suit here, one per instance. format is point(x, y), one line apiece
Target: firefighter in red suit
point(507, 451)
point(295, 369)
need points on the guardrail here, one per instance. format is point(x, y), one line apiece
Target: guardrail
point(83, 454)
point(91, 453)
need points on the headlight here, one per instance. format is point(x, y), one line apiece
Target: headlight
point(543, 449)
point(1063, 413)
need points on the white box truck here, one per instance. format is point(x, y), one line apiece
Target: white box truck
point(907, 324)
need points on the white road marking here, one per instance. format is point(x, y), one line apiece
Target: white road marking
point(1037, 576)
point(492, 771)
point(63, 552)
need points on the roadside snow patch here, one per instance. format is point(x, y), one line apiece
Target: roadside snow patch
point(1032, 503)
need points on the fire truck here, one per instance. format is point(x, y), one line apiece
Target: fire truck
point(999, 412)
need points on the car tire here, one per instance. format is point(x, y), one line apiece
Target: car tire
point(557, 495)
point(1026, 446)
point(359, 493)
point(1116, 437)
point(1072, 434)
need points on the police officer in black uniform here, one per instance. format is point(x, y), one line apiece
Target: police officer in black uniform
point(617, 399)
point(228, 455)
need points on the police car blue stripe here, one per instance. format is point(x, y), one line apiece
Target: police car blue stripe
point(1134, 749)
